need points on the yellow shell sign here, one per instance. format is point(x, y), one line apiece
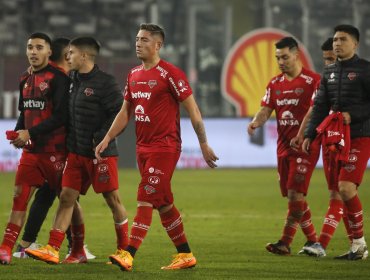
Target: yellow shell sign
point(250, 65)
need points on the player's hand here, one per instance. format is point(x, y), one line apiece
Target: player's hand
point(346, 118)
point(101, 148)
point(209, 155)
point(22, 139)
point(252, 127)
point(306, 145)
point(296, 142)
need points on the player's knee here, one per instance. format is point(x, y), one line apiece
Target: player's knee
point(67, 198)
point(20, 198)
point(113, 199)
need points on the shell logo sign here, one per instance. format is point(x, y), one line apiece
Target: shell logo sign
point(250, 65)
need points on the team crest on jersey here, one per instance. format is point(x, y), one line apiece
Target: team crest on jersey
point(88, 91)
point(43, 86)
point(299, 91)
point(277, 92)
point(133, 83)
point(351, 76)
point(152, 83)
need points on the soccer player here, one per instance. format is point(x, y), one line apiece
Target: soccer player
point(95, 99)
point(289, 94)
point(45, 196)
point(153, 93)
point(336, 209)
point(345, 88)
point(40, 132)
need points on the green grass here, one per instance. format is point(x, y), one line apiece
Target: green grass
point(229, 216)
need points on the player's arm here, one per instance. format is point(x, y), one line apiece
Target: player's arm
point(196, 120)
point(119, 124)
point(259, 119)
point(111, 102)
point(297, 140)
point(18, 143)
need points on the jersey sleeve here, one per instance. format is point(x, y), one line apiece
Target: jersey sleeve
point(179, 84)
point(126, 90)
point(268, 99)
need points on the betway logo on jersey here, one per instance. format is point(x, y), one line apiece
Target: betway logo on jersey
point(34, 104)
point(140, 114)
point(286, 101)
point(140, 94)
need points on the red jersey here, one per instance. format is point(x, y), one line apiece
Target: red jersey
point(43, 106)
point(291, 101)
point(155, 95)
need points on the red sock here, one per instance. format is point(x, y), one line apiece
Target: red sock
point(355, 218)
point(346, 224)
point(10, 235)
point(331, 221)
point(56, 238)
point(306, 224)
point(140, 226)
point(78, 237)
point(295, 213)
point(172, 223)
point(122, 234)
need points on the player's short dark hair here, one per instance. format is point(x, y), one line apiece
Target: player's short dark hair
point(153, 29)
point(327, 45)
point(86, 42)
point(349, 29)
point(57, 47)
point(287, 42)
point(40, 35)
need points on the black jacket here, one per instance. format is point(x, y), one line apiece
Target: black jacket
point(344, 87)
point(94, 101)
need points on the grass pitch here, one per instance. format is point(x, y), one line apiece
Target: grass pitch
point(229, 216)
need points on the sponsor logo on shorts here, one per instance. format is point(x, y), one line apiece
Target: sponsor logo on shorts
point(299, 178)
point(302, 169)
point(102, 168)
point(349, 167)
point(149, 189)
point(154, 180)
point(155, 171)
point(103, 178)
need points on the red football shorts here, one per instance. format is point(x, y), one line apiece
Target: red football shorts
point(36, 168)
point(156, 171)
point(331, 169)
point(359, 154)
point(81, 172)
point(295, 171)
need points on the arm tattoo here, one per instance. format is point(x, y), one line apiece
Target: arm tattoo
point(200, 131)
